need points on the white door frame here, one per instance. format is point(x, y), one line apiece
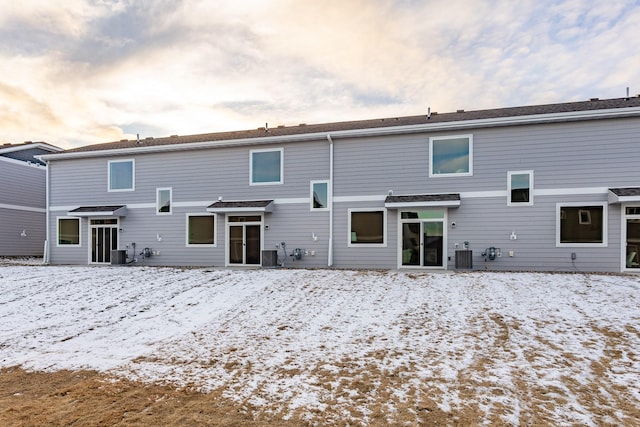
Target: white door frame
point(227, 246)
point(91, 227)
point(420, 221)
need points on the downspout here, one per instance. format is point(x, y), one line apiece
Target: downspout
point(46, 256)
point(330, 250)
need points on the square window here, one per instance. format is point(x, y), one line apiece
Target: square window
point(319, 195)
point(201, 230)
point(581, 225)
point(163, 201)
point(367, 227)
point(68, 231)
point(520, 188)
point(266, 167)
point(121, 175)
point(451, 156)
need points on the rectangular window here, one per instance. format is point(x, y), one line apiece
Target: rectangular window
point(266, 166)
point(121, 175)
point(581, 225)
point(451, 155)
point(367, 227)
point(201, 230)
point(68, 231)
point(163, 201)
point(319, 195)
point(520, 188)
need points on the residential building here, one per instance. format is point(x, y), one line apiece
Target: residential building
point(22, 198)
point(547, 187)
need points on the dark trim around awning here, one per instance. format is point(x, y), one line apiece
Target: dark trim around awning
point(622, 195)
point(82, 211)
point(241, 206)
point(451, 200)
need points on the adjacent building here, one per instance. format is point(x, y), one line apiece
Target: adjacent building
point(23, 198)
point(548, 187)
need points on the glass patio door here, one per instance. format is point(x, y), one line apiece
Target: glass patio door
point(245, 240)
point(633, 237)
point(104, 239)
point(422, 238)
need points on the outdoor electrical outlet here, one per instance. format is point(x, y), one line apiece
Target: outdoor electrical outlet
point(573, 256)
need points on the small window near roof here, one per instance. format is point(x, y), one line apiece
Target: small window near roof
point(520, 188)
point(121, 175)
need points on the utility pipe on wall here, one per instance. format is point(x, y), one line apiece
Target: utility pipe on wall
point(47, 191)
point(330, 249)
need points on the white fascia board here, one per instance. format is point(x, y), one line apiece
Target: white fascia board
point(30, 146)
point(613, 199)
point(381, 131)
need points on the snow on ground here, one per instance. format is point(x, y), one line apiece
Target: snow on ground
point(298, 341)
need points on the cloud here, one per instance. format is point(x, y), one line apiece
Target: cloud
point(94, 71)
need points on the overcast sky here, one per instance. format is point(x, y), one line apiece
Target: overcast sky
point(79, 72)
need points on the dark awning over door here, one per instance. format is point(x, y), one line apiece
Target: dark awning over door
point(85, 211)
point(423, 201)
point(622, 195)
point(241, 206)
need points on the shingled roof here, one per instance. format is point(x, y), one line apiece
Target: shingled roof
point(432, 118)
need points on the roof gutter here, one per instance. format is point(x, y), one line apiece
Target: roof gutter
point(352, 133)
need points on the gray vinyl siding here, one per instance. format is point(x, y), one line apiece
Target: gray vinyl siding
point(22, 185)
point(22, 188)
point(561, 155)
point(566, 159)
point(13, 223)
point(490, 222)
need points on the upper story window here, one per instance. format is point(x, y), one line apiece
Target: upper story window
point(163, 201)
point(68, 231)
point(520, 188)
point(581, 224)
point(451, 155)
point(266, 166)
point(319, 195)
point(121, 175)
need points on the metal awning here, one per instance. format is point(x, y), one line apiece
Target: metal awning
point(451, 200)
point(82, 211)
point(241, 206)
point(622, 195)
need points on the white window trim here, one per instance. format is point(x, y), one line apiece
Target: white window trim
point(312, 183)
point(133, 175)
point(443, 175)
point(530, 202)
point(266, 150)
point(605, 221)
point(384, 228)
point(215, 230)
point(58, 232)
point(158, 190)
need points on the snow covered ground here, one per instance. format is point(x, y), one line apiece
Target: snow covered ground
point(562, 348)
